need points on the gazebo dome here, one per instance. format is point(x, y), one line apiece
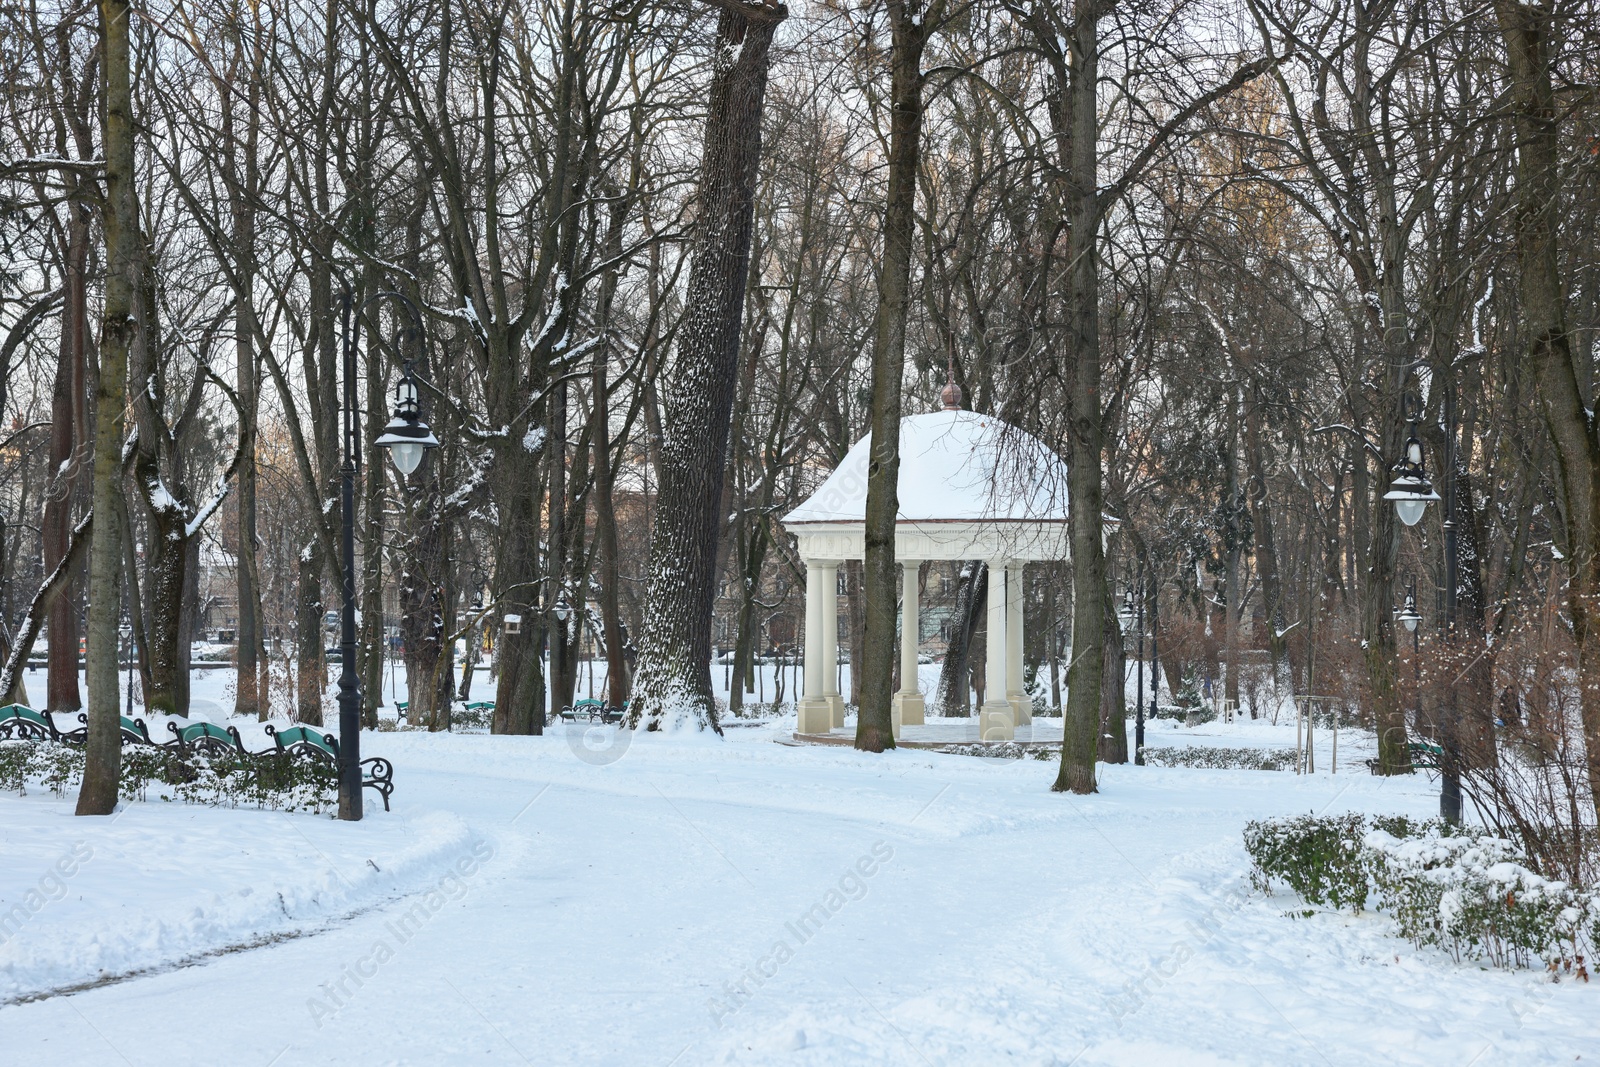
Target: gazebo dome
point(955, 466)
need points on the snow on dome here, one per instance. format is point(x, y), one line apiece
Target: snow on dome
point(955, 466)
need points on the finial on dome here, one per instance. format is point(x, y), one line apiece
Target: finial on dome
point(951, 394)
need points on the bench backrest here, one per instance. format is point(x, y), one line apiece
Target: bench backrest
point(296, 735)
point(590, 702)
point(195, 731)
point(26, 714)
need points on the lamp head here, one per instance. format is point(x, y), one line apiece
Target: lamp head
point(407, 437)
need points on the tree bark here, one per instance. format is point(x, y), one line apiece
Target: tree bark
point(68, 434)
point(673, 684)
point(120, 215)
point(1075, 123)
point(1113, 741)
point(972, 592)
point(605, 514)
point(1527, 29)
point(909, 23)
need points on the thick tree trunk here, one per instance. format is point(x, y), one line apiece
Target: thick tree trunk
point(1266, 548)
point(250, 698)
point(67, 436)
point(372, 637)
point(909, 27)
point(1527, 29)
point(1113, 742)
point(560, 598)
point(972, 592)
point(421, 606)
point(519, 706)
point(605, 533)
point(56, 584)
point(311, 672)
point(673, 684)
point(1076, 123)
point(166, 574)
point(120, 215)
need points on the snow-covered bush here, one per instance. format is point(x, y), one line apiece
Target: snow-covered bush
point(1001, 750)
point(1319, 856)
point(1231, 759)
point(278, 782)
point(1469, 893)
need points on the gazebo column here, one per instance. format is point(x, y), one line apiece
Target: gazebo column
point(908, 702)
point(996, 720)
point(830, 643)
point(1021, 704)
point(815, 712)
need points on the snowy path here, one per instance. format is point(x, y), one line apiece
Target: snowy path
point(630, 913)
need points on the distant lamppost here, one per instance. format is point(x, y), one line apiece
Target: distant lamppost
point(407, 437)
point(125, 630)
point(1408, 617)
point(1132, 616)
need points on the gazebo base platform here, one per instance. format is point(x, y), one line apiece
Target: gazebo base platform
point(942, 733)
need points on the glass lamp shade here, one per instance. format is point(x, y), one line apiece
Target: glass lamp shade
point(1410, 622)
point(1411, 494)
point(407, 437)
point(407, 456)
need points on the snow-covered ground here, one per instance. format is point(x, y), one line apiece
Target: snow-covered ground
point(588, 897)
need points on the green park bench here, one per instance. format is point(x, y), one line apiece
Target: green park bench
point(593, 710)
point(20, 722)
point(1425, 755)
point(208, 738)
point(376, 773)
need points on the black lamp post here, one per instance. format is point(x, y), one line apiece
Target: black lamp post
point(1412, 493)
point(1133, 616)
point(126, 632)
point(1409, 617)
point(407, 437)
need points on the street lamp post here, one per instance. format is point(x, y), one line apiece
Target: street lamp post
point(126, 630)
point(1133, 616)
point(407, 437)
point(1155, 659)
point(1411, 493)
point(1409, 617)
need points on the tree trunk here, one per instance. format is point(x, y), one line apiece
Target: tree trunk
point(1266, 548)
point(67, 435)
point(1527, 29)
point(909, 26)
point(605, 521)
point(120, 219)
point(311, 673)
point(55, 586)
point(673, 684)
point(1076, 122)
point(1113, 742)
point(972, 592)
point(563, 613)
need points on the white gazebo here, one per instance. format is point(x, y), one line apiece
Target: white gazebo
point(971, 487)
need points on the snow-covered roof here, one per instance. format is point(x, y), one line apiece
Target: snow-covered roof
point(955, 466)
